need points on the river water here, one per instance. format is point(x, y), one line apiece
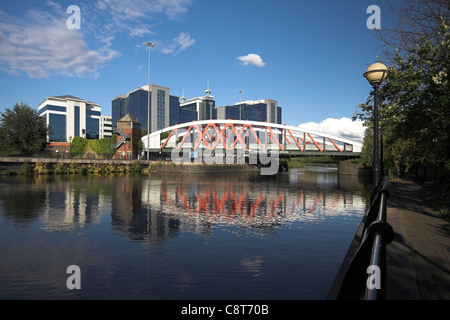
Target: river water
point(220, 236)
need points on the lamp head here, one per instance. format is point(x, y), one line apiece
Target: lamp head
point(376, 73)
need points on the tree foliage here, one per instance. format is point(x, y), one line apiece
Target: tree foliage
point(79, 145)
point(103, 146)
point(22, 131)
point(414, 100)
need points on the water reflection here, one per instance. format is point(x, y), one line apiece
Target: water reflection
point(254, 203)
point(177, 236)
point(158, 205)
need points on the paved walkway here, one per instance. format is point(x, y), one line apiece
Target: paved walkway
point(418, 260)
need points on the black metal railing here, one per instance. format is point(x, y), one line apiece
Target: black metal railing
point(365, 277)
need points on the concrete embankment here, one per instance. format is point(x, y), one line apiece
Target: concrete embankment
point(353, 168)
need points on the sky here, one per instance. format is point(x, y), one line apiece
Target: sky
point(310, 56)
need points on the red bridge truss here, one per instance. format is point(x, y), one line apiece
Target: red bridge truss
point(248, 136)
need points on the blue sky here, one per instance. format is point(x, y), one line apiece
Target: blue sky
point(307, 55)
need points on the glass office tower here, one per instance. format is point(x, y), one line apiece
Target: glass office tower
point(163, 107)
point(260, 110)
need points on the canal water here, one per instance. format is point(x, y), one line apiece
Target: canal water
point(184, 236)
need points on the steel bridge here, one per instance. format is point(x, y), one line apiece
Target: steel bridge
point(249, 136)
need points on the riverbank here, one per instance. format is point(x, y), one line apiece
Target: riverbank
point(28, 165)
point(25, 166)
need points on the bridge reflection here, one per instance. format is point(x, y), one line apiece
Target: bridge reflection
point(255, 204)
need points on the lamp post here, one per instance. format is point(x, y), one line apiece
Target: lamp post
point(70, 147)
point(149, 45)
point(240, 104)
point(376, 74)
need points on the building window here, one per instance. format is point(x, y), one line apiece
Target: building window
point(92, 128)
point(161, 109)
point(77, 121)
point(52, 108)
point(272, 112)
point(57, 124)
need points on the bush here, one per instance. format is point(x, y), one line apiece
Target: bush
point(41, 168)
point(60, 168)
point(79, 145)
point(26, 168)
point(135, 167)
point(103, 147)
point(6, 172)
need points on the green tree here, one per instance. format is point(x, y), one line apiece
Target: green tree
point(79, 145)
point(414, 104)
point(22, 131)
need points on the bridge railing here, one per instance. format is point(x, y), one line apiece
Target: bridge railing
point(365, 275)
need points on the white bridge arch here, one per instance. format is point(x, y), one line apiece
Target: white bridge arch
point(249, 136)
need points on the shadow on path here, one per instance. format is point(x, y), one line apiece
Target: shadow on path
point(418, 260)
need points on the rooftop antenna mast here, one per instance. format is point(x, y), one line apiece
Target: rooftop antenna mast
point(208, 92)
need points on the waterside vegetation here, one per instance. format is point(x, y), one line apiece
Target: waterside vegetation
point(42, 168)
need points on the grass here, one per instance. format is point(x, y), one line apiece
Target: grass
point(300, 162)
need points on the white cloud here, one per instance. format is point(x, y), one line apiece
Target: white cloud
point(178, 44)
point(137, 9)
point(41, 45)
point(344, 127)
point(139, 32)
point(137, 18)
point(252, 59)
point(184, 41)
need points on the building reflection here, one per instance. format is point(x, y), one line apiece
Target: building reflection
point(155, 208)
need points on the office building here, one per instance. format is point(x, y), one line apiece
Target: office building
point(259, 110)
point(167, 110)
point(68, 116)
point(105, 126)
point(163, 107)
point(200, 108)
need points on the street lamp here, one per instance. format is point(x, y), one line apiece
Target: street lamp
point(240, 104)
point(149, 45)
point(376, 74)
point(70, 147)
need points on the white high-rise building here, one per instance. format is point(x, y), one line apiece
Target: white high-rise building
point(68, 117)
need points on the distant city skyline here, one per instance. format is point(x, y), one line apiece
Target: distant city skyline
point(309, 56)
